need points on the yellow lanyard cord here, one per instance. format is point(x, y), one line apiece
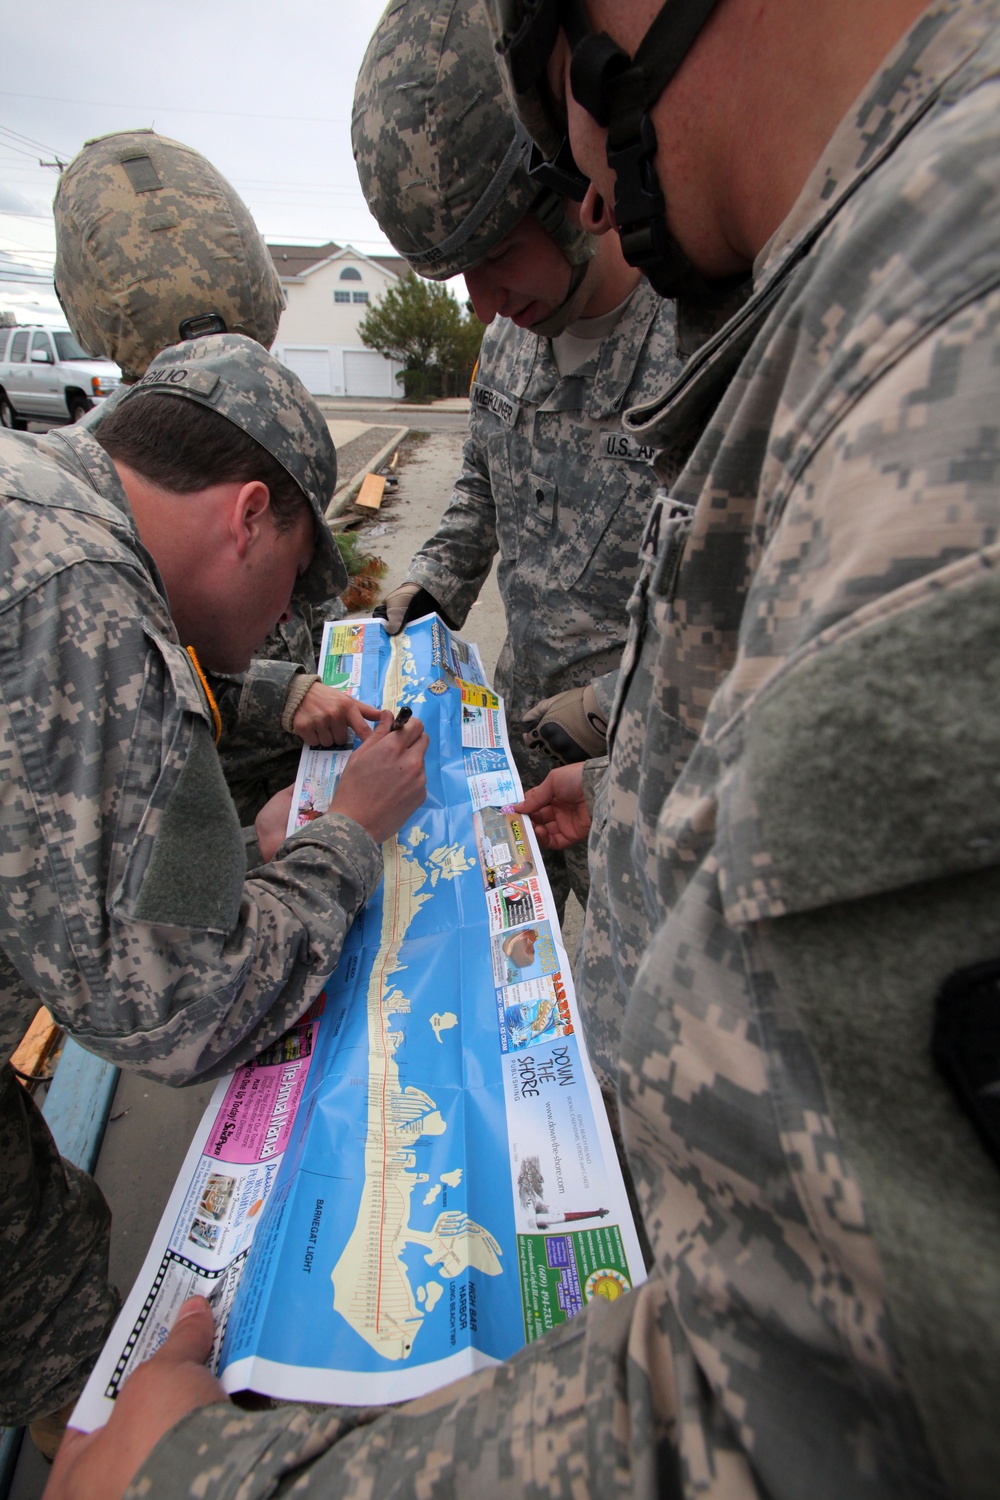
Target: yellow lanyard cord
point(216, 716)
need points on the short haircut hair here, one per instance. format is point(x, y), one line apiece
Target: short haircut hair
point(181, 446)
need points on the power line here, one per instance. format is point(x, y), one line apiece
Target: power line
point(27, 253)
point(28, 140)
point(35, 249)
point(32, 155)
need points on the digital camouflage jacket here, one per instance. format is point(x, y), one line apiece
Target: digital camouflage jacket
point(127, 907)
point(550, 481)
point(797, 844)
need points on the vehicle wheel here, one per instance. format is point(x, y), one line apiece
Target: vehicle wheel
point(78, 407)
point(8, 416)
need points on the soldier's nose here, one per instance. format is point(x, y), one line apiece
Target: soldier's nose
point(486, 297)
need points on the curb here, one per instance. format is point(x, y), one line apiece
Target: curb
point(343, 497)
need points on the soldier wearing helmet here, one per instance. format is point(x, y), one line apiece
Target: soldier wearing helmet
point(137, 559)
point(154, 247)
point(801, 835)
point(547, 478)
point(845, 156)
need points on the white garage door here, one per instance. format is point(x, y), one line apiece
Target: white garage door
point(312, 366)
point(366, 373)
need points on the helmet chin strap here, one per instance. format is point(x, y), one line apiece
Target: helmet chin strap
point(577, 246)
point(618, 91)
point(569, 308)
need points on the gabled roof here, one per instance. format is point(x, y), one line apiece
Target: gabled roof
point(301, 260)
point(394, 263)
point(292, 260)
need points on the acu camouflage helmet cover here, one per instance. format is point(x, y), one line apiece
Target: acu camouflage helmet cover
point(440, 160)
point(149, 235)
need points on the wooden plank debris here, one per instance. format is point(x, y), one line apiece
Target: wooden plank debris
point(370, 493)
point(36, 1045)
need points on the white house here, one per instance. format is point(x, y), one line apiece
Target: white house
point(328, 289)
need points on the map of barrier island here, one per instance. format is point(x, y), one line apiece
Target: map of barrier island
point(419, 1177)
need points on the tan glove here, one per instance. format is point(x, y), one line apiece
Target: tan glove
point(568, 727)
point(407, 602)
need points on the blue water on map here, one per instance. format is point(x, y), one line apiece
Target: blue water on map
point(444, 1072)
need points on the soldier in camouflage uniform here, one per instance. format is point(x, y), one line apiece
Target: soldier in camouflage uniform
point(153, 246)
point(127, 908)
point(798, 833)
point(548, 478)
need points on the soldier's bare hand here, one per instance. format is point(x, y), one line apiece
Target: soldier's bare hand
point(557, 808)
point(100, 1465)
point(326, 716)
point(271, 822)
point(383, 782)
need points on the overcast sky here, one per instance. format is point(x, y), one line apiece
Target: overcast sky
point(264, 92)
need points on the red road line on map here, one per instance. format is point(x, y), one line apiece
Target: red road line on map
point(381, 990)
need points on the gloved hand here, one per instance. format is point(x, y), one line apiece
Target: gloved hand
point(405, 603)
point(568, 727)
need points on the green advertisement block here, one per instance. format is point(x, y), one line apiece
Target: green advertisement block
point(561, 1273)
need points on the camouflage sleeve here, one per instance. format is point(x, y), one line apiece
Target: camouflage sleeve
point(256, 699)
point(127, 904)
point(56, 1307)
point(251, 847)
point(455, 562)
point(604, 690)
point(251, 703)
point(595, 773)
point(573, 1415)
point(859, 851)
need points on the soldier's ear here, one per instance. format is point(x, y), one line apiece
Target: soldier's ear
point(251, 505)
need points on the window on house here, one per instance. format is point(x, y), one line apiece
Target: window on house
point(350, 273)
point(341, 296)
point(360, 296)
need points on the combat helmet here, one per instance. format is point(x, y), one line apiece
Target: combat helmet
point(154, 246)
point(443, 165)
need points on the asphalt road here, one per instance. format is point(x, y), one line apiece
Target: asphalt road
point(393, 414)
point(436, 418)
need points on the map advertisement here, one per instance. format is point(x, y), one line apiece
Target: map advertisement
point(419, 1178)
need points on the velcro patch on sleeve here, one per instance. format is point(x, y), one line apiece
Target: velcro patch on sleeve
point(198, 861)
point(872, 764)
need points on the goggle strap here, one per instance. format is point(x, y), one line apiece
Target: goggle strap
point(668, 41)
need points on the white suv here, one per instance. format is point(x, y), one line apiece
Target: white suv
point(44, 373)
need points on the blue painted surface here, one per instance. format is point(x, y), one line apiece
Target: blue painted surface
point(78, 1103)
point(10, 1447)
